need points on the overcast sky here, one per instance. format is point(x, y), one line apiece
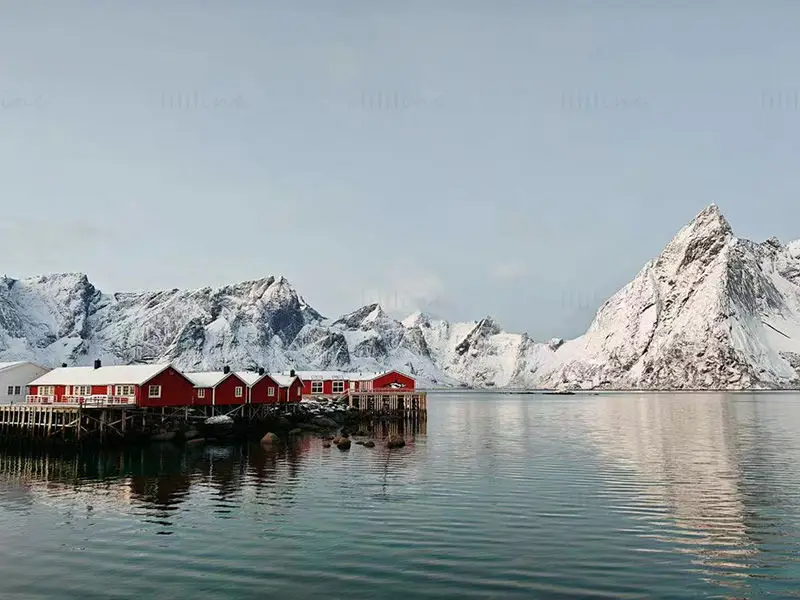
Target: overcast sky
point(519, 159)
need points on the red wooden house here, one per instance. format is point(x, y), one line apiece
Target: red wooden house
point(218, 388)
point(393, 380)
point(262, 388)
point(335, 383)
point(291, 388)
point(140, 385)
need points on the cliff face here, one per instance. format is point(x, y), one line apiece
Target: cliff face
point(712, 311)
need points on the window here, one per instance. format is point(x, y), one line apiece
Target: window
point(124, 390)
point(271, 391)
point(10, 390)
point(154, 391)
point(17, 390)
point(316, 387)
point(338, 387)
point(201, 393)
point(239, 391)
point(82, 390)
point(45, 390)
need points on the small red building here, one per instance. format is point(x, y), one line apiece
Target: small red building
point(335, 383)
point(218, 388)
point(291, 388)
point(263, 389)
point(393, 380)
point(140, 385)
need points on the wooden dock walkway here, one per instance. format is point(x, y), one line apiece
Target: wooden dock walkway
point(391, 401)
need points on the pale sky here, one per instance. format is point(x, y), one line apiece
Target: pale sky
point(519, 159)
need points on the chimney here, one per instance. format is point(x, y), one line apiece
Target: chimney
point(63, 365)
point(291, 373)
point(97, 364)
point(261, 371)
point(226, 369)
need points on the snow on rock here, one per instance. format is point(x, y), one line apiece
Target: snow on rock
point(711, 311)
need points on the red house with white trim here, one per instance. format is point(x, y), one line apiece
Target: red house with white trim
point(262, 388)
point(291, 388)
point(139, 385)
point(218, 388)
point(335, 383)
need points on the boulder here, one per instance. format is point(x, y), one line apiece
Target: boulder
point(324, 422)
point(296, 431)
point(270, 439)
point(359, 443)
point(395, 441)
point(326, 445)
point(344, 444)
point(369, 444)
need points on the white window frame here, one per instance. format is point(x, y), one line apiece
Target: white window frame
point(271, 391)
point(201, 393)
point(17, 390)
point(314, 385)
point(10, 390)
point(154, 388)
point(81, 390)
point(45, 390)
point(238, 391)
point(124, 390)
point(337, 387)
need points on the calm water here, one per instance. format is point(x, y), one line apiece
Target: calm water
point(659, 496)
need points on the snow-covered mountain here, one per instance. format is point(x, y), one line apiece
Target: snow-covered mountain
point(712, 311)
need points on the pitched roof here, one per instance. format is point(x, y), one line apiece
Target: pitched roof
point(249, 377)
point(283, 380)
point(208, 379)
point(110, 375)
point(16, 363)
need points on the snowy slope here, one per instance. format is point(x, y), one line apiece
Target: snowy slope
point(712, 311)
point(480, 352)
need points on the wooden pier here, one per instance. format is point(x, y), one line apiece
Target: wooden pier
point(78, 423)
point(114, 421)
point(391, 401)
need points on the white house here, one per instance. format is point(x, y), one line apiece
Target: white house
point(14, 380)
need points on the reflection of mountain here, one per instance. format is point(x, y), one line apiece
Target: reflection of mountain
point(676, 468)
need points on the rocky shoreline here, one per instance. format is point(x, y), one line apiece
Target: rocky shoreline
point(331, 421)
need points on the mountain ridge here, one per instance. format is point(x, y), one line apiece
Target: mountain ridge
point(711, 311)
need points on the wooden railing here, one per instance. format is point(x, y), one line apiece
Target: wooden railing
point(90, 401)
point(37, 399)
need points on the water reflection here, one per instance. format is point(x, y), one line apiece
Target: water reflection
point(160, 478)
point(695, 472)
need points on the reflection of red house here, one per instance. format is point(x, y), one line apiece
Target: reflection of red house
point(334, 383)
point(216, 388)
point(142, 385)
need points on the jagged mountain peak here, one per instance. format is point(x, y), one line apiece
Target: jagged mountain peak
point(417, 319)
point(698, 243)
point(365, 316)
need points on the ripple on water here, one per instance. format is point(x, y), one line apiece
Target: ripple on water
point(611, 496)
